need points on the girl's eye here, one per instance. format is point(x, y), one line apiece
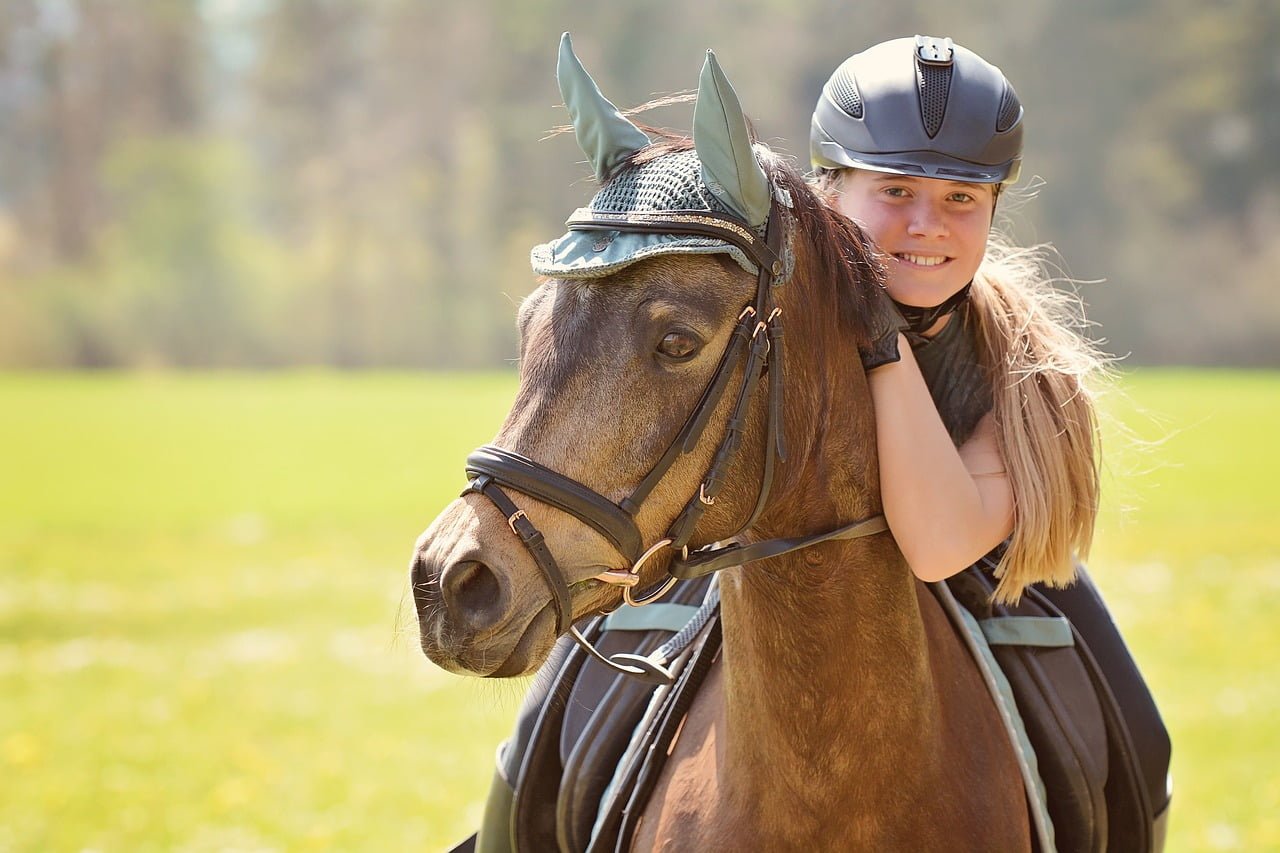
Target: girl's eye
point(961, 197)
point(895, 192)
point(678, 345)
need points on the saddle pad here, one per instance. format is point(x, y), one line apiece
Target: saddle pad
point(1066, 714)
point(575, 725)
point(1002, 694)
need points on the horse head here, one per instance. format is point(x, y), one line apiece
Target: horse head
point(650, 417)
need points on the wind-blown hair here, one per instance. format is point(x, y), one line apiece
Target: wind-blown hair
point(1045, 377)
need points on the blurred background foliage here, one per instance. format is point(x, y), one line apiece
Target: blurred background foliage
point(284, 182)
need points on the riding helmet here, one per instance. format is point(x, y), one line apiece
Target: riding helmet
point(919, 106)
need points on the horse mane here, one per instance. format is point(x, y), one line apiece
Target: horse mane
point(834, 254)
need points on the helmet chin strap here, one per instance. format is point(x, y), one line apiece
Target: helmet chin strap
point(921, 320)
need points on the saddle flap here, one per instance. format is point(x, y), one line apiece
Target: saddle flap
point(603, 709)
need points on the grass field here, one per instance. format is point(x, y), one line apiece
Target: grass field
point(205, 642)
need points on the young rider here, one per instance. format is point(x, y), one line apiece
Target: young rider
point(985, 415)
point(914, 139)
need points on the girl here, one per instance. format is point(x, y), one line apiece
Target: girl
point(914, 139)
point(985, 417)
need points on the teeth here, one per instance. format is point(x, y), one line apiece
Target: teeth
point(923, 260)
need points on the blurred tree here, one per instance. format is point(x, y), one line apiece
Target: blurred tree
point(199, 182)
point(76, 75)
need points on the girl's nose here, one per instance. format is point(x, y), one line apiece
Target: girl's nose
point(927, 221)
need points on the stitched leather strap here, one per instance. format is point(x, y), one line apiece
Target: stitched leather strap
point(759, 332)
point(698, 223)
point(689, 435)
point(534, 542)
point(710, 560)
point(713, 483)
point(528, 477)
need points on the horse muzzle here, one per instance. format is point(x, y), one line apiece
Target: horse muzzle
point(472, 620)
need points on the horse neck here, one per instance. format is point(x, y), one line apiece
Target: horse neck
point(825, 657)
point(825, 651)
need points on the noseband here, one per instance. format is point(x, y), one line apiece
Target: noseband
point(758, 334)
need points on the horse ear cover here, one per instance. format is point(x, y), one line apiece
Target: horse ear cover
point(720, 135)
point(719, 176)
point(604, 134)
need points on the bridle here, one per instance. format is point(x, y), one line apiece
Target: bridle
point(758, 334)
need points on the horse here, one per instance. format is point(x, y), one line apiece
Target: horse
point(843, 712)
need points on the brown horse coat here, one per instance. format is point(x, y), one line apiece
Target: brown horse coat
point(844, 713)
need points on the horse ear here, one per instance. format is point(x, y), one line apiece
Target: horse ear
point(604, 134)
point(720, 136)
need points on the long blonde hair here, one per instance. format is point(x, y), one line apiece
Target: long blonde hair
point(1045, 378)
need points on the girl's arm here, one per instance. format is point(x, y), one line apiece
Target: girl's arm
point(946, 507)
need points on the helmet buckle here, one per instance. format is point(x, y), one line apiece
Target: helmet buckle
point(934, 51)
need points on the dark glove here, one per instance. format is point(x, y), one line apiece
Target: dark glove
point(884, 323)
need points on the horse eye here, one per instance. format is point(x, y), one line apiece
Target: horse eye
point(678, 345)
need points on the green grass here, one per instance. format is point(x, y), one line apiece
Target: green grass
point(1188, 555)
point(205, 642)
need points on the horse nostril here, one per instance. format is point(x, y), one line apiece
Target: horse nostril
point(471, 590)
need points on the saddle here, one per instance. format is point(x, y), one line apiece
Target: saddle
point(1101, 748)
point(590, 742)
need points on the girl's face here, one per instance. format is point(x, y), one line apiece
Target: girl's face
point(932, 232)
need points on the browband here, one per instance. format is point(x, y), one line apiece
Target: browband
point(694, 222)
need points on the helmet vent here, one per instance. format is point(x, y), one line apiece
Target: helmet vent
point(845, 93)
point(934, 84)
point(1010, 110)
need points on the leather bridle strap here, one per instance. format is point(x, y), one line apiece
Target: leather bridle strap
point(682, 528)
point(753, 332)
point(700, 563)
point(564, 493)
point(697, 223)
point(689, 435)
point(535, 543)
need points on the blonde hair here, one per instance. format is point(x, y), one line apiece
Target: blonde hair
point(1045, 377)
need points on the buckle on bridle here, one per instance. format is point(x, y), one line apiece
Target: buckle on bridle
point(511, 522)
point(763, 325)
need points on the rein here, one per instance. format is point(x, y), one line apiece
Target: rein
point(758, 334)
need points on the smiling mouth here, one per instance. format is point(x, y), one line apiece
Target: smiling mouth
point(921, 260)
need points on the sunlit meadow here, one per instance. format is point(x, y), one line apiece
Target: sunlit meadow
point(206, 641)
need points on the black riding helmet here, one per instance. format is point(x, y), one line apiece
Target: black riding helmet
point(919, 106)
